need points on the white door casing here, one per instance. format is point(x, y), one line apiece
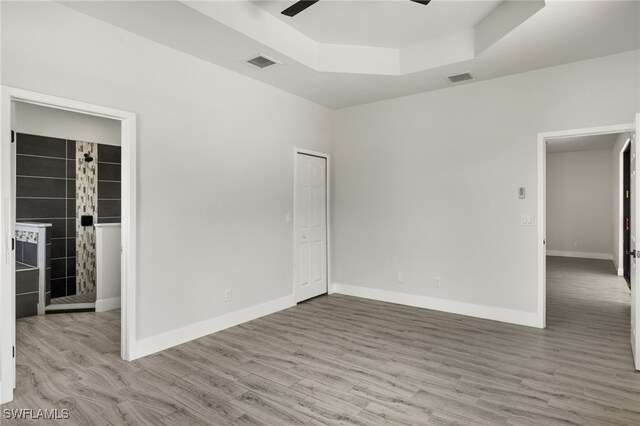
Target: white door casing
point(634, 246)
point(7, 220)
point(310, 222)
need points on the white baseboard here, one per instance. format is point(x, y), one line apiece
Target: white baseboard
point(580, 254)
point(105, 305)
point(479, 311)
point(185, 334)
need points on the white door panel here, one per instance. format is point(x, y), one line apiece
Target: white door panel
point(311, 229)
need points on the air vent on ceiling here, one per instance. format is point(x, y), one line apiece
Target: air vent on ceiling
point(261, 62)
point(459, 78)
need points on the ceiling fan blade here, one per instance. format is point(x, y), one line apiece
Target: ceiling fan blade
point(298, 7)
point(425, 2)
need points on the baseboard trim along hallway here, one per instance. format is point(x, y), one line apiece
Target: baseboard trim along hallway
point(529, 319)
point(580, 254)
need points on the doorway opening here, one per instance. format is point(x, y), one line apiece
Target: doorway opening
point(626, 212)
point(67, 190)
point(581, 223)
point(35, 220)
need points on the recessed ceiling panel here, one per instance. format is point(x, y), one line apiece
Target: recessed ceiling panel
point(395, 23)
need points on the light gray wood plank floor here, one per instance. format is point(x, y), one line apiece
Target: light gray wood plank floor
point(343, 360)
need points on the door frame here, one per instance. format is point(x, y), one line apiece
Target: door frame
point(7, 221)
point(327, 157)
point(542, 201)
point(621, 201)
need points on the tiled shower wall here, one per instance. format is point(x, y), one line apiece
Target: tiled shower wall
point(46, 188)
point(45, 192)
point(86, 204)
point(98, 194)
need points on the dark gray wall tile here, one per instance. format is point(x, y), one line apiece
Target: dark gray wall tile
point(71, 188)
point(109, 153)
point(58, 287)
point(30, 254)
point(109, 208)
point(40, 145)
point(71, 169)
point(40, 187)
point(108, 220)
point(71, 228)
point(58, 268)
point(26, 305)
point(71, 149)
point(47, 298)
point(47, 280)
point(71, 286)
point(58, 248)
point(108, 171)
point(37, 166)
point(71, 208)
point(19, 245)
point(71, 266)
point(40, 208)
point(27, 281)
point(110, 190)
point(71, 247)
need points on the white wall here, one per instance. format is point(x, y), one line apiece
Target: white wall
point(215, 160)
point(57, 123)
point(616, 182)
point(580, 204)
point(428, 184)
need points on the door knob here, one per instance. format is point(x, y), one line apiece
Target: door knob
point(631, 253)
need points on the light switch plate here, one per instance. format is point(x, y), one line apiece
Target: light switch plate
point(521, 192)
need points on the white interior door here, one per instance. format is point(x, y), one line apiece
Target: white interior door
point(310, 218)
point(635, 246)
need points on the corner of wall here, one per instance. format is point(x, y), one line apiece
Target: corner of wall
point(153, 344)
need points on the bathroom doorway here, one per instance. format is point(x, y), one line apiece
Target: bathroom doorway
point(67, 226)
point(67, 189)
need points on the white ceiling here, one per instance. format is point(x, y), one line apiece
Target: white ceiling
point(561, 32)
point(381, 23)
point(582, 143)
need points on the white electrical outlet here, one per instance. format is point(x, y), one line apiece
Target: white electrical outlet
point(526, 220)
point(227, 295)
point(436, 281)
point(400, 277)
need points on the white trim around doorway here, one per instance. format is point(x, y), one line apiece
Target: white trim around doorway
point(7, 221)
point(541, 321)
point(620, 261)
